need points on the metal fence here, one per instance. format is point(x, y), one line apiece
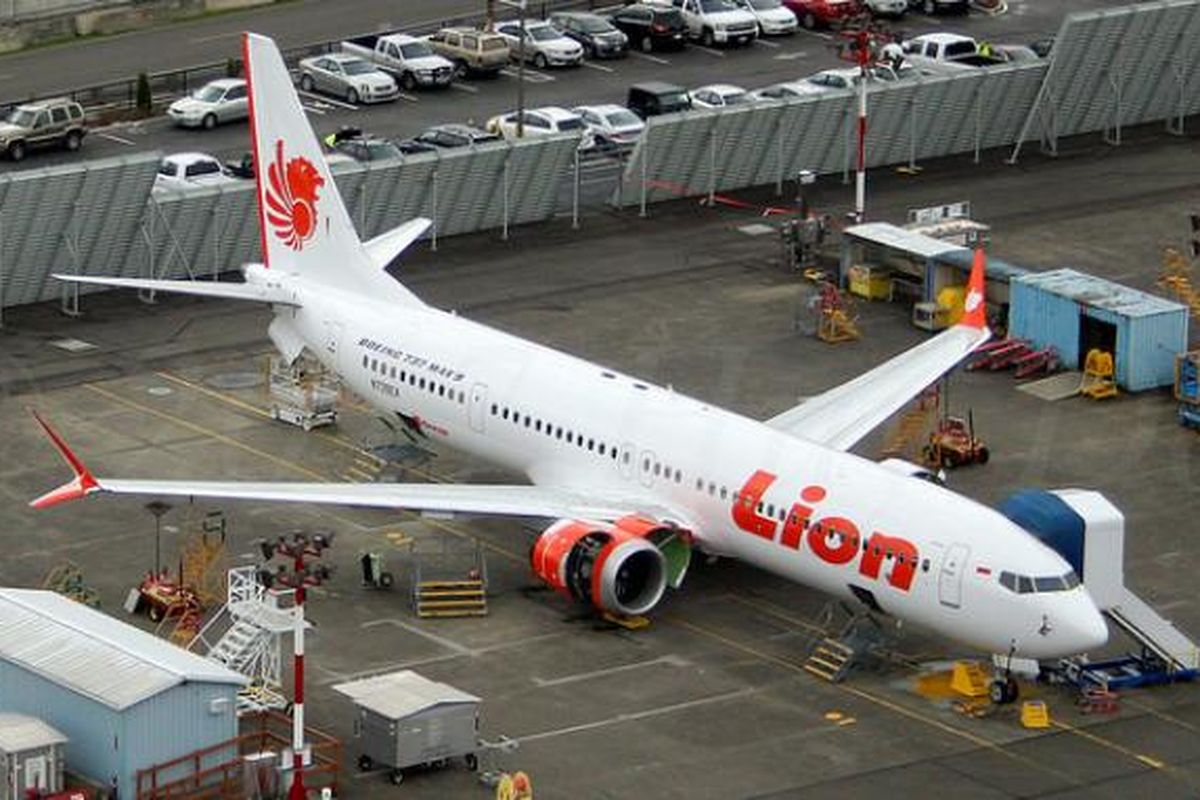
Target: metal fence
point(1119, 67)
point(102, 217)
point(21, 10)
point(715, 151)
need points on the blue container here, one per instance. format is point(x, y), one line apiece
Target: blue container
point(1072, 311)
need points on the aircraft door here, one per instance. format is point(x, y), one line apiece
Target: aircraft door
point(625, 460)
point(333, 338)
point(950, 576)
point(477, 408)
point(645, 461)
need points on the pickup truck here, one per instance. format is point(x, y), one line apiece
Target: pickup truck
point(946, 52)
point(410, 60)
point(715, 21)
point(471, 51)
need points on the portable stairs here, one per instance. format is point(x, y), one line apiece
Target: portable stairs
point(246, 635)
point(1099, 376)
point(861, 637)
point(836, 321)
point(450, 583)
point(911, 429)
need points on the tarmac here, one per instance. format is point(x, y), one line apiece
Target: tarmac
point(711, 700)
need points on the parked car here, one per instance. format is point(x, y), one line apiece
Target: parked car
point(713, 22)
point(454, 135)
point(719, 95)
point(349, 77)
point(1042, 46)
point(611, 127)
point(241, 168)
point(545, 45)
point(651, 27)
point(542, 121)
point(785, 91)
point(368, 148)
point(823, 13)
point(190, 171)
point(941, 6)
point(887, 8)
point(210, 105)
point(409, 60)
point(48, 123)
point(946, 52)
point(472, 52)
point(598, 36)
point(773, 17)
point(651, 98)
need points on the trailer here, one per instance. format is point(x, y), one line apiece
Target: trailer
point(404, 720)
point(302, 394)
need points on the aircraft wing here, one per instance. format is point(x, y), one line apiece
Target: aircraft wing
point(232, 291)
point(474, 499)
point(845, 414)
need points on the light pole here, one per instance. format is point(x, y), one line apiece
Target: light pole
point(158, 508)
point(297, 548)
point(520, 6)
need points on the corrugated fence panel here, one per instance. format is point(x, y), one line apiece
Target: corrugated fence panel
point(538, 171)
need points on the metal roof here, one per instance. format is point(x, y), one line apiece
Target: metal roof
point(19, 733)
point(401, 694)
point(94, 654)
point(888, 235)
point(997, 269)
point(1096, 292)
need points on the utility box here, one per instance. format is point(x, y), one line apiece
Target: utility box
point(404, 720)
point(31, 757)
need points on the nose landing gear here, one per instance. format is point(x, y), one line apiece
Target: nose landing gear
point(1004, 690)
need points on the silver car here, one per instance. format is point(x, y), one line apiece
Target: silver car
point(349, 77)
point(545, 45)
point(210, 105)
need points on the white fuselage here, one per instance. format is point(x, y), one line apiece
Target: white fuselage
point(827, 519)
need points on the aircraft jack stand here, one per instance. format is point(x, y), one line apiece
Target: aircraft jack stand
point(634, 623)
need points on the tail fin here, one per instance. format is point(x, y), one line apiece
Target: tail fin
point(974, 307)
point(303, 222)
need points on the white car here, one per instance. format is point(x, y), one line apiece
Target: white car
point(210, 105)
point(786, 91)
point(542, 122)
point(715, 22)
point(887, 8)
point(774, 19)
point(350, 77)
point(545, 45)
point(610, 126)
point(719, 95)
point(190, 171)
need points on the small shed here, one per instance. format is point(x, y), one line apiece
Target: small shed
point(127, 700)
point(404, 719)
point(31, 756)
point(1076, 312)
point(908, 256)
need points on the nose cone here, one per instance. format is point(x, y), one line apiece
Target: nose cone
point(1085, 629)
point(1072, 626)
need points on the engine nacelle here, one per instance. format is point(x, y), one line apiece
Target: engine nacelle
point(617, 567)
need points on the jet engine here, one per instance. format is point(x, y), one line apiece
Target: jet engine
point(622, 567)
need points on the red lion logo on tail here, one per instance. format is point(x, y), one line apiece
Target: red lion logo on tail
point(292, 198)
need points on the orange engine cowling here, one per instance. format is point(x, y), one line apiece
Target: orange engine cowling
point(613, 567)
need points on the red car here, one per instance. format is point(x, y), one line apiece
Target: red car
point(812, 13)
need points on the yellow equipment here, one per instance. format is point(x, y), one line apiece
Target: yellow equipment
point(969, 679)
point(517, 786)
point(834, 320)
point(1176, 278)
point(67, 579)
point(1035, 714)
point(1098, 381)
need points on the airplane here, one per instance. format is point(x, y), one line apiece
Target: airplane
point(632, 476)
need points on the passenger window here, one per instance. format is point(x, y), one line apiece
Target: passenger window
point(724, 493)
point(494, 409)
point(365, 359)
point(59, 115)
point(657, 469)
point(374, 365)
point(925, 565)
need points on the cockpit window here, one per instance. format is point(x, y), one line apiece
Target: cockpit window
point(1024, 584)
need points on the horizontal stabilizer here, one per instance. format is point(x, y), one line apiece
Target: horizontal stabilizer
point(386, 247)
point(232, 291)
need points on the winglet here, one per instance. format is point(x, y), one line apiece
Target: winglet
point(83, 484)
point(974, 308)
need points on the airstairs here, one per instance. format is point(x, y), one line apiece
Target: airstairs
point(1092, 529)
point(246, 635)
point(859, 639)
